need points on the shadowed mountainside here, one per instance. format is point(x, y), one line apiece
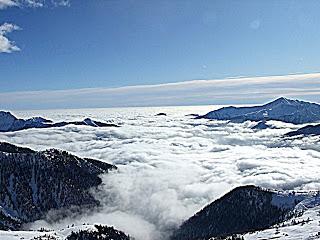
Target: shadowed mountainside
point(32, 183)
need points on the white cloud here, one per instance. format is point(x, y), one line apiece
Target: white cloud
point(170, 167)
point(7, 3)
point(255, 24)
point(7, 46)
point(196, 92)
point(63, 3)
point(33, 3)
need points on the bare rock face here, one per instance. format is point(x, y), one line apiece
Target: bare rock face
point(32, 183)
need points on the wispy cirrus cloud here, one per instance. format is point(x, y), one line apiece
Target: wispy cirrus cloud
point(196, 92)
point(7, 3)
point(33, 3)
point(6, 45)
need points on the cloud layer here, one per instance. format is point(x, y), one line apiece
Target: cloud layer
point(196, 92)
point(7, 46)
point(170, 167)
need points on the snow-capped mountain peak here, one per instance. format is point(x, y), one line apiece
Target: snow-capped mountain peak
point(281, 109)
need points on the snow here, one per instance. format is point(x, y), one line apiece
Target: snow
point(282, 109)
point(305, 227)
point(287, 201)
point(6, 120)
point(59, 234)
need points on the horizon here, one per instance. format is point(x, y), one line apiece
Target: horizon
point(226, 91)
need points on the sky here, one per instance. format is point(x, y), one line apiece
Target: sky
point(68, 45)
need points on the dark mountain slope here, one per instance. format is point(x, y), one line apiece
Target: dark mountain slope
point(305, 131)
point(32, 183)
point(101, 233)
point(243, 209)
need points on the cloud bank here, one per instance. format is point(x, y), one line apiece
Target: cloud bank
point(170, 167)
point(7, 46)
point(196, 92)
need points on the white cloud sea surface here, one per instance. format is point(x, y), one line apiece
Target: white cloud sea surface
point(171, 166)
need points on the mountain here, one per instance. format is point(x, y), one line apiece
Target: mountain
point(304, 225)
point(243, 209)
point(261, 125)
point(71, 232)
point(160, 114)
point(32, 183)
point(9, 123)
point(281, 109)
point(305, 131)
point(100, 232)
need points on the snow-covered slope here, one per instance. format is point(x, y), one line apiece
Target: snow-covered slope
point(244, 209)
point(32, 183)
point(83, 232)
point(9, 123)
point(304, 226)
point(282, 109)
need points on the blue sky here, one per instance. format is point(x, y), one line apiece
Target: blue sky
point(109, 43)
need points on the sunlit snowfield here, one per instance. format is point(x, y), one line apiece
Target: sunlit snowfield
point(171, 166)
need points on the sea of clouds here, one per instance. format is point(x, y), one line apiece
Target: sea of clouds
point(171, 166)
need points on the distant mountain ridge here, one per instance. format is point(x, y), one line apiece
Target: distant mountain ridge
point(305, 131)
point(9, 123)
point(32, 183)
point(281, 109)
point(244, 209)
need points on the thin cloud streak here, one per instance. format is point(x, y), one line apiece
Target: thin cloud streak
point(196, 92)
point(33, 3)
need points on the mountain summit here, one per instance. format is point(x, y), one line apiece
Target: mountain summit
point(10, 123)
point(281, 109)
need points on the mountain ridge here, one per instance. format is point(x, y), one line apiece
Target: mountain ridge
point(308, 130)
point(10, 123)
point(281, 109)
point(243, 209)
point(34, 182)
